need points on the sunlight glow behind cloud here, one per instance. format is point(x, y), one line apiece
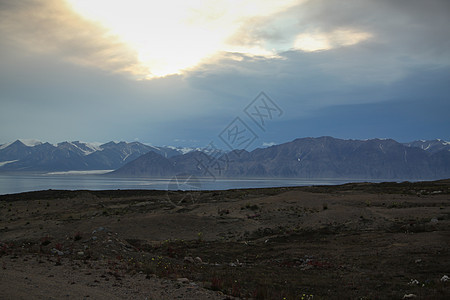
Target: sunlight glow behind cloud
point(175, 35)
point(324, 41)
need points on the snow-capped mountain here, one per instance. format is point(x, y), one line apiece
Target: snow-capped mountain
point(210, 150)
point(431, 146)
point(324, 157)
point(33, 155)
point(26, 142)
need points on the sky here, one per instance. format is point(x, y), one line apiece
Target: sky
point(191, 73)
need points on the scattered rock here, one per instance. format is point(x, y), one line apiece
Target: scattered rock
point(413, 282)
point(56, 251)
point(418, 261)
point(434, 220)
point(445, 278)
point(409, 296)
point(306, 267)
point(189, 259)
point(198, 260)
point(80, 253)
point(183, 280)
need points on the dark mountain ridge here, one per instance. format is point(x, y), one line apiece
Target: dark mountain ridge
point(323, 157)
point(78, 156)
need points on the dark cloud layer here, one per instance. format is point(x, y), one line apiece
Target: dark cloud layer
point(62, 77)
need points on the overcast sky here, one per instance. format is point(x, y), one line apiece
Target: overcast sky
point(179, 73)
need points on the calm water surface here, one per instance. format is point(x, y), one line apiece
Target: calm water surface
point(24, 183)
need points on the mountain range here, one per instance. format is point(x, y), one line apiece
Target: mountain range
point(323, 157)
point(25, 155)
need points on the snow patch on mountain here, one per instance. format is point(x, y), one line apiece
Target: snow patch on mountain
point(183, 150)
point(150, 145)
point(30, 142)
point(2, 163)
point(126, 156)
point(268, 144)
point(96, 146)
point(89, 172)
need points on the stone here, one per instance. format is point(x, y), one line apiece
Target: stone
point(189, 259)
point(183, 280)
point(198, 260)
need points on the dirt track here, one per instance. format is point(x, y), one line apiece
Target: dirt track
point(372, 241)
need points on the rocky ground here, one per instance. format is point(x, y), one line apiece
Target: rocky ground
point(353, 241)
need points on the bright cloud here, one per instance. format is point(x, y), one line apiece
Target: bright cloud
point(149, 39)
point(175, 35)
point(325, 41)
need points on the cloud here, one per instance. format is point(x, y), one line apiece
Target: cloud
point(65, 77)
point(416, 29)
point(165, 39)
point(51, 27)
point(366, 47)
point(334, 39)
point(175, 35)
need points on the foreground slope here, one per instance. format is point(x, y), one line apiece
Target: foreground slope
point(351, 241)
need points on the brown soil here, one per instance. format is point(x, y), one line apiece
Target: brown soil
point(354, 241)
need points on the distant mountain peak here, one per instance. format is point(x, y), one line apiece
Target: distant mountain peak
point(25, 142)
point(431, 146)
point(30, 142)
